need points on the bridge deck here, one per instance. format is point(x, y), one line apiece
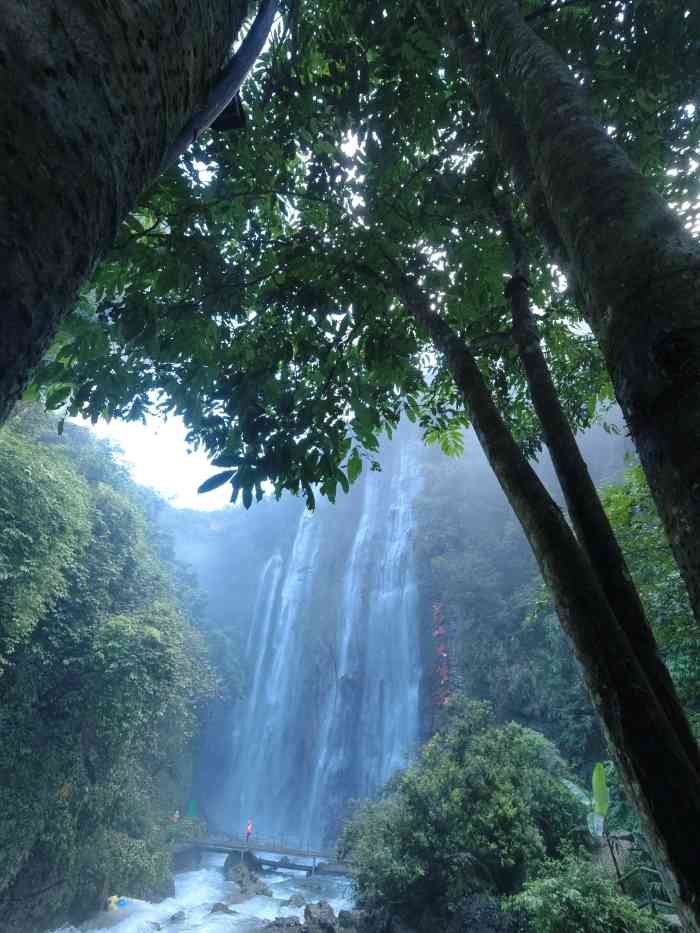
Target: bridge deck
point(269, 846)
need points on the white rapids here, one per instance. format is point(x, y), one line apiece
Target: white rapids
point(197, 891)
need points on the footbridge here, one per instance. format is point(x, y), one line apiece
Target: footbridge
point(272, 852)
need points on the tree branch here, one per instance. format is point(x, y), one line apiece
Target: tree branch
point(228, 85)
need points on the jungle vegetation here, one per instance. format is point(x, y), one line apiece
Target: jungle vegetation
point(104, 676)
point(292, 289)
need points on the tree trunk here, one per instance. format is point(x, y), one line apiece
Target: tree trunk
point(92, 95)
point(635, 266)
point(591, 524)
point(657, 772)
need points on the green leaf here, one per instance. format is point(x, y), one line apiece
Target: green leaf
point(56, 398)
point(601, 798)
point(354, 466)
point(215, 481)
point(343, 480)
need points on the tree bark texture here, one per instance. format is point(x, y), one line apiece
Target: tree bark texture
point(91, 95)
point(591, 524)
point(636, 269)
point(658, 773)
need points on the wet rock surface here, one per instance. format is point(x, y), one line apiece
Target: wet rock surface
point(247, 884)
point(296, 900)
point(319, 918)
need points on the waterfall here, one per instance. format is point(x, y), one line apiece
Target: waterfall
point(372, 724)
point(332, 661)
point(264, 769)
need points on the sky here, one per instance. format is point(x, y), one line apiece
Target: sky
point(156, 455)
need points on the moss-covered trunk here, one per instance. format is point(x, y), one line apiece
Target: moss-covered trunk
point(591, 524)
point(92, 95)
point(636, 268)
point(657, 771)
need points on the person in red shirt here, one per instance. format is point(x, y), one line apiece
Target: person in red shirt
point(248, 830)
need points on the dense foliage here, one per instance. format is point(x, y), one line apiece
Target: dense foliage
point(262, 294)
point(478, 811)
point(101, 674)
point(505, 642)
point(573, 894)
point(255, 292)
point(658, 580)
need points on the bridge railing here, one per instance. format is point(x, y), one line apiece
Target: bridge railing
point(273, 843)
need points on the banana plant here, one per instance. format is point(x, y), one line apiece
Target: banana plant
point(600, 801)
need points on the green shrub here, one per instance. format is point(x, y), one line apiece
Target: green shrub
point(573, 896)
point(478, 812)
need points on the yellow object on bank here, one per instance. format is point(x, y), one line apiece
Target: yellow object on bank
point(112, 902)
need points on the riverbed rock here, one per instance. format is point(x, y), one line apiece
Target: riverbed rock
point(246, 882)
point(178, 917)
point(284, 925)
point(377, 920)
point(296, 900)
point(221, 908)
point(319, 918)
point(246, 858)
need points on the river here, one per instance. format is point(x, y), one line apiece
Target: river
point(197, 891)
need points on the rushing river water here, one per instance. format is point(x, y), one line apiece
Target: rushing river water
point(196, 893)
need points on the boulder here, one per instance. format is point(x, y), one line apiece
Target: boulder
point(284, 924)
point(376, 920)
point(296, 900)
point(319, 918)
point(178, 917)
point(246, 882)
point(246, 858)
point(221, 908)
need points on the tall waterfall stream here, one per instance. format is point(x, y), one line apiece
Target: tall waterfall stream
point(362, 699)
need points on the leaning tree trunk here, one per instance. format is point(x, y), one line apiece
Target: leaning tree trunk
point(590, 521)
point(658, 774)
point(93, 93)
point(636, 268)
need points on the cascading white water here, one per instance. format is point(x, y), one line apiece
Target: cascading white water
point(332, 655)
point(373, 722)
point(263, 770)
